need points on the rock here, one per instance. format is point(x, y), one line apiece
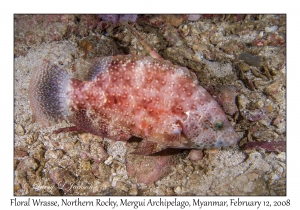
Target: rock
point(195, 155)
point(226, 97)
point(273, 88)
point(20, 153)
point(149, 169)
point(97, 152)
point(278, 119)
point(28, 163)
point(274, 91)
point(254, 115)
point(133, 190)
point(194, 17)
point(177, 190)
point(63, 179)
point(101, 170)
point(250, 59)
point(109, 160)
point(242, 101)
point(121, 187)
point(117, 150)
point(19, 130)
point(55, 154)
point(85, 165)
point(271, 29)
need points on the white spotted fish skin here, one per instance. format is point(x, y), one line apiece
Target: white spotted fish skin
point(128, 96)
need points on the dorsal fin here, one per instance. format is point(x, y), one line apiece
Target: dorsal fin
point(89, 69)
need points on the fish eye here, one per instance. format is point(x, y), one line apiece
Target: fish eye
point(219, 125)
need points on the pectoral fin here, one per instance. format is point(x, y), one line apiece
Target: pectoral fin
point(146, 147)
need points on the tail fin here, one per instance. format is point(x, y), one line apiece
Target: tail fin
point(47, 93)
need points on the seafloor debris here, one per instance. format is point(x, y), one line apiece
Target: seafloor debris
point(250, 59)
point(226, 97)
point(118, 18)
point(272, 146)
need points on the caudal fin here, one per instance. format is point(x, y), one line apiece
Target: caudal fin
point(47, 93)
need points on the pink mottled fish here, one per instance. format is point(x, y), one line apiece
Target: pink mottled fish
point(128, 96)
